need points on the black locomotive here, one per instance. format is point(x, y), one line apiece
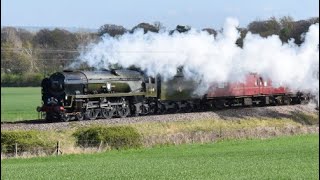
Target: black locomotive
point(104, 94)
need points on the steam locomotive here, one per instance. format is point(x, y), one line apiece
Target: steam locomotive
point(105, 94)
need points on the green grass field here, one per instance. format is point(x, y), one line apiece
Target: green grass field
point(20, 103)
point(295, 157)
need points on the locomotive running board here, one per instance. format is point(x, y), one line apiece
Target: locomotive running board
point(109, 95)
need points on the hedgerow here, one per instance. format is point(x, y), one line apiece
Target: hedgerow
point(26, 141)
point(118, 137)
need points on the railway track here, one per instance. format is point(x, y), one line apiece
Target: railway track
point(284, 111)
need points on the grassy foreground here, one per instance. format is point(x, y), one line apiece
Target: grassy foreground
point(19, 103)
point(295, 157)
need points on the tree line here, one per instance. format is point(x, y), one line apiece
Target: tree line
point(26, 57)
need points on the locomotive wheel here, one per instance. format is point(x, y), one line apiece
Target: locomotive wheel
point(107, 113)
point(219, 104)
point(65, 118)
point(123, 111)
point(153, 108)
point(175, 108)
point(188, 108)
point(80, 116)
point(144, 110)
point(49, 117)
point(161, 108)
point(286, 100)
point(91, 114)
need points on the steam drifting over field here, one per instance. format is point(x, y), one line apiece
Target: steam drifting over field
point(207, 59)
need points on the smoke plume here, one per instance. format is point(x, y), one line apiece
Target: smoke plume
point(206, 58)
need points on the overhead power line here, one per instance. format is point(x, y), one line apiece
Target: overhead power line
point(39, 50)
point(79, 51)
point(57, 59)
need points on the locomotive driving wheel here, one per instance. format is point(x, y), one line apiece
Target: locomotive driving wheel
point(123, 111)
point(91, 114)
point(144, 109)
point(161, 108)
point(175, 108)
point(107, 113)
point(188, 108)
point(153, 108)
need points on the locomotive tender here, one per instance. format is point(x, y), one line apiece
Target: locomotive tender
point(119, 93)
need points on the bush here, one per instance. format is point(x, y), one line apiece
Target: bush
point(10, 80)
point(26, 140)
point(17, 80)
point(119, 137)
point(32, 79)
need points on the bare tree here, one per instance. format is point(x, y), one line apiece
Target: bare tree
point(243, 33)
point(84, 38)
point(181, 29)
point(159, 26)
point(146, 28)
point(111, 29)
point(10, 34)
point(313, 20)
point(300, 28)
point(57, 48)
point(210, 31)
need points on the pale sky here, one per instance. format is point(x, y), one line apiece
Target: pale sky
point(198, 14)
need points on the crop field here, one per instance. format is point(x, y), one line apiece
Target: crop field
point(20, 103)
point(294, 157)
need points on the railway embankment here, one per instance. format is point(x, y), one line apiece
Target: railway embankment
point(200, 127)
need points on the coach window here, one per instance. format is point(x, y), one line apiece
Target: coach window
point(265, 83)
point(261, 81)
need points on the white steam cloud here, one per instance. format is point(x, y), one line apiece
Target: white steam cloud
point(209, 59)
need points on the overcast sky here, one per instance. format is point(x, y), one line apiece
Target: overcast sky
point(198, 14)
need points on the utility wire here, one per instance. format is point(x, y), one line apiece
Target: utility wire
point(78, 51)
point(40, 50)
point(45, 59)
